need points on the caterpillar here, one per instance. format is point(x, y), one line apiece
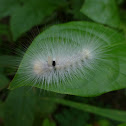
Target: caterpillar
point(70, 56)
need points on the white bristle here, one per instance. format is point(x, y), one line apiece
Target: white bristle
point(38, 67)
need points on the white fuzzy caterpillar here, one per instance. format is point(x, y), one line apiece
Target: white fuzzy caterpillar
point(60, 56)
point(62, 61)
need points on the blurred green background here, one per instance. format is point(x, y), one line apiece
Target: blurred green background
point(20, 22)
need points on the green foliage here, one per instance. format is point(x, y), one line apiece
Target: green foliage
point(104, 123)
point(1, 110)
point(47, 122)
point(23, 104)
point(75, 9)
point(123, 124)
point(102, 11)
point(73, 117)
point(109, 113)
point(8, 61)
point(26, 107)
point(19, 108)
point(6, 7)
point(43, 107)
point(119, 1)
point(26, 14)
point(113, 75)
point(3, 81)
point(123, 21)
point(4, 30)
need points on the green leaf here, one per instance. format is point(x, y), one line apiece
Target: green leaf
point(108, 76)
point(3, 29)
point(8, 61)
point(47, 122)
point(66, 117)
point(119, 2)
point(1, 110)
point(123, 21)
point(32, 13)
point(19, 108)
point(109, 113)
point(102, 11)
point(4, 81)
point(104, 123)
point(123, 124)
point(26, 14)
point(75, 9)
point(44, 107)
point(4, 32)
point(7, 7)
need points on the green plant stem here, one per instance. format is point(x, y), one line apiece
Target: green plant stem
point(109, 113)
